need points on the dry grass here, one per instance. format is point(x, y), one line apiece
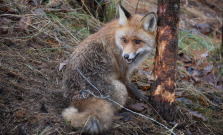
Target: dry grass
point(30, 98)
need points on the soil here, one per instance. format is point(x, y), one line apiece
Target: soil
point(31, 100)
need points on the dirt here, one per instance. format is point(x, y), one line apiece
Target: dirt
point(31, 100)
point(28, 84)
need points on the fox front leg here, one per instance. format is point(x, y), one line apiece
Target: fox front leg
point(134, 91)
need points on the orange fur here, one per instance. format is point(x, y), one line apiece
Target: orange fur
point(100, 58)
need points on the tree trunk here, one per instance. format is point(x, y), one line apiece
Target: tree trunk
point(163, 89)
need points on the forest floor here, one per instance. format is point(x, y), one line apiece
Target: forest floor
point(31, 53)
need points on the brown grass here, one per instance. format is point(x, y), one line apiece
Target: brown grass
point(31, 101)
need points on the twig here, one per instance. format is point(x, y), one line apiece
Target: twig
point(11, 15)
point(208, 128)
point(59, 10)
point(76, 40)
point(16, 6)
point(44, 130)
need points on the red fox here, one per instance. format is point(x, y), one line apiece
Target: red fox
point(106, 58)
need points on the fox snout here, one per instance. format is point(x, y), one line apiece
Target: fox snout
point(126, 56)
point(130, 57)
point(128, 60)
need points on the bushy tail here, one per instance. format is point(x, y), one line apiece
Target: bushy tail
point(93, 115)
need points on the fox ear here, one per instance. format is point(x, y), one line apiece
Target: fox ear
point(149, 22)
point(124, 15)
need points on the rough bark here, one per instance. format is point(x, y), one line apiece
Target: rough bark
point(163, 89)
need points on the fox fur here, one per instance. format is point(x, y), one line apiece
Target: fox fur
point(106, 58)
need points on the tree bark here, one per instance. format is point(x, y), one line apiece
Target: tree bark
point(163, 89)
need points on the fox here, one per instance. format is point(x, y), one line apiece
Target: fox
point(106, 59)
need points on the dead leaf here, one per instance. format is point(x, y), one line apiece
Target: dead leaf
point(195, 114)
point(204, 102)
point(214, 80)
point(24, 22)
point(195, 76)
point(52, 42)
point(20, 113)
point(126, 116)
point(206, 75)
point(76, 25)
point(54, 3)
point(62, 64)
point(138, 107)
point(6, 9)
point(133, 80)
point(4, 23)
point(143, 86)
point(146, 88)
point(204, 28)
point(185, 100)
point(207, 70)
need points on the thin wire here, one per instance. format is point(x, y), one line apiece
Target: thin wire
point(204, 55)
point(141, 115)
point(108, 97)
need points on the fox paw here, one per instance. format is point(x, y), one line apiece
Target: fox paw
point(94, 126)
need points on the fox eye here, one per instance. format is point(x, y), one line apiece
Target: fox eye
point(124, 40)
point(138, 41)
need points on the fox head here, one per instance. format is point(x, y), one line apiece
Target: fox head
point(136, 35)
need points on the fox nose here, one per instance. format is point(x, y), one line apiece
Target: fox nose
point(126, 56)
